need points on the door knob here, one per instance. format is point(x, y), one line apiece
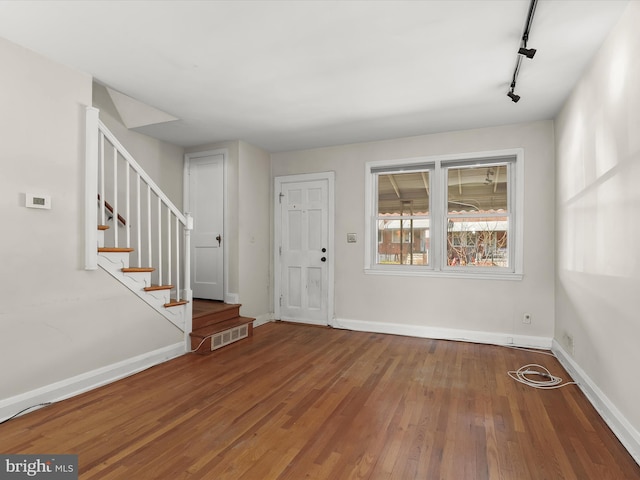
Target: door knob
point(219, 239)
point(323, 259)
point(324, 250)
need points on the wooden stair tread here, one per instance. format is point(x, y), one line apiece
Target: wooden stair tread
point(212, 314)
point(215, 308)
point(153, 288)
point(221, 327)
point(114, 250)
point(103, 227)
point(174, 303)
point(137, 269)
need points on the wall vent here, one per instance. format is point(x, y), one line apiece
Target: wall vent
point(221, 339)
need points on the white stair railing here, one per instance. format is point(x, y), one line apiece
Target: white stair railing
point(118, 187)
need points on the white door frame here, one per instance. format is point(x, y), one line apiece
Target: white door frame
point(186, 197)
point(277, 216)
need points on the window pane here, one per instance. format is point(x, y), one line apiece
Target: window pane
point(477, 242)
point(403, 193)
point(403, 242)
point(477, 189)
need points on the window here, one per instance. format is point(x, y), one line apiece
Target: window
point(403, 218)
point(478, 215)
point(446, 216)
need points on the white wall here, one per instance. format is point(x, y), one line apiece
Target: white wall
point(598, 207)
point(56, 319)
point(254, 231)
point(161, 160)
point(488, 306)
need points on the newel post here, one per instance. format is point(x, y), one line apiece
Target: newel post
point(188, 294)
point(187, 254)
point(91, 189)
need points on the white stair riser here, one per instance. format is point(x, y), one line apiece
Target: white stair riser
point(163, 295)
point(113, 263)
point(119, 259)
point(143, 279)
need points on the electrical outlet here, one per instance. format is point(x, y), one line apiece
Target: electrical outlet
point(526, 318)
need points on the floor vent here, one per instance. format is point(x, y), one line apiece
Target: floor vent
point(221, 339)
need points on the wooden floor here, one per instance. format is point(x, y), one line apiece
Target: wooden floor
point(300, 402)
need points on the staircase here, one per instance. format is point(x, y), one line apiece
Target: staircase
point(116, 261)
point(147, 246)
point(139, 236)
point(216, 325)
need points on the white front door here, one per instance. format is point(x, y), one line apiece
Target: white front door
point(304, 234)
point(206, 204)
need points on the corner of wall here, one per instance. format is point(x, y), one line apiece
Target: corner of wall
point(621, 427)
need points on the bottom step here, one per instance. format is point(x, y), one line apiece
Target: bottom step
point(213, 337)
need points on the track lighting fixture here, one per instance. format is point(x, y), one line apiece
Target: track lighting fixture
point(523, 51)
point(489, 179)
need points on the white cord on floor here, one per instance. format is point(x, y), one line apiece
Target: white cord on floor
point(201, 342)
point(550, 381)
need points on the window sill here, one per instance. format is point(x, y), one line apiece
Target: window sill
point(474, 275)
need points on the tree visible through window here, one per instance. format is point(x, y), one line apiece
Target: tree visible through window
point(403, 218)
point(478, 216)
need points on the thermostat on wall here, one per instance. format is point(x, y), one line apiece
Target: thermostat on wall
point(38, 201)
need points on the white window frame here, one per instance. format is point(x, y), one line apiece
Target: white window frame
point(438, 229)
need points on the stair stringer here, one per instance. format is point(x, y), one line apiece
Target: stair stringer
point(114, 262)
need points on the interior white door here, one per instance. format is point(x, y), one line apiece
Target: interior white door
point(206, 203)
point(304, 251)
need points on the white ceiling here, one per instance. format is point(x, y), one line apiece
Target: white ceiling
point(287, 75)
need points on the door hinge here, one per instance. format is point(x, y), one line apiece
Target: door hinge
point(280, 197)
point(280, 249)
point(280, 300)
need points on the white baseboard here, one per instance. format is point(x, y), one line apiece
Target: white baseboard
point(231, 298)
point(263, 319)
point(621, 427)
point(87, 381)
point(494, 338)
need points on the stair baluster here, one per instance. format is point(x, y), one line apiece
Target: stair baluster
point(171, 257)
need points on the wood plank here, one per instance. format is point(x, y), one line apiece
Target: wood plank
point(201, 306)
point(154, 288)
point(175, 303)
point(297, 401)
point(115, 250)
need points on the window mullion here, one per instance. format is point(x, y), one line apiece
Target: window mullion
point(437, 234)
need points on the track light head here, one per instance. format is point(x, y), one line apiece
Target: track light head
point(527, 52)
point(514, 98)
